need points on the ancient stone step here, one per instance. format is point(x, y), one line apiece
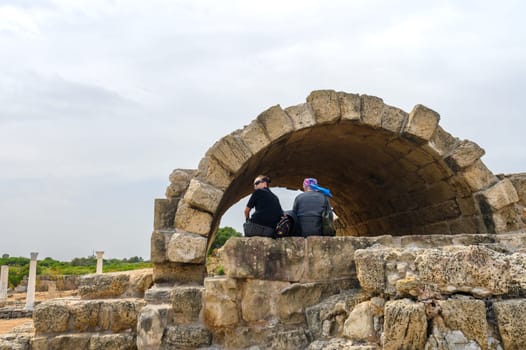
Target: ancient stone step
point(159, 294)
point(151, 322)
point(85, 341)
point(184, 336)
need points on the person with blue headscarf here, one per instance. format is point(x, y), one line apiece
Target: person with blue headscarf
point(309, 206)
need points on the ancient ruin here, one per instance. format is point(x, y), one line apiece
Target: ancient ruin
point(429, 252)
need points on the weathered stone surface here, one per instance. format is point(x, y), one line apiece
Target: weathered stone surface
point(113, 341)
point(467, 316)
point(116, 284)
point(231, 152)
point(290, 340)
point(213, 173)
point(421, 124)
point(465, 153)
point(511, 322)
point(302, 116)
point(164, 213)
point(187, 302)
point(501, 194)
point(405, 325)
point(393, 119)
point(339, 344)
point(360, 325)
point(508, 219)
point(328, 258)
point(254, 137)
point(158, 243)
point(327, 318)
point(14, 341)
point(178, 272)
point(192, 220)
point(260, 299)
point(276, 122)
point(264, 258)
point(186, 248)
point(179, 180)
point(477, 176)
point(350, 106)
point(220, 302)
point(69, 341)
point(151, 322)
point(442, 142)
point(61, 315)
point(519, 182)
point(203, 196)
point(372, 110)
point(186, 337)
point(325, 104)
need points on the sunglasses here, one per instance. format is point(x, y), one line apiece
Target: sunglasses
point(258, 182)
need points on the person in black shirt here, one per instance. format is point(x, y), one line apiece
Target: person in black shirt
point(266, 204)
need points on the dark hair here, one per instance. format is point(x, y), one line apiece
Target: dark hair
point(263, 178)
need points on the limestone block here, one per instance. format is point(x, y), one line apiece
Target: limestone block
point(519, 182)
point(259, 299)
point(50, 317)
point(164, 213)
point(231, 152)
point(327, 258)
point(512, 241)
point(393, 119)
point(112, 341)
point(442, 142)
point(327, 318)
point(467, 316)
point(405, 325)
point(302, 116)
point(290, 339)
point(86, 315)
point(212, 172)
point(477, 176)
point(372, 110)
point(116, 284)
point(325, 104)
point(186, 337)
point(178, 272)
point(276, 122)
point(158, 243)
point(193, 220)
point(370, 269)
point(511, 322)
point(350, 106)
point(419, 157)
point(421, 124)
point(264, 258)
point(187, 302)
point(203, 196)
point(150, 326)
point(339, 343)
point(507, 219)
point(220, 302)
point(501, 194)
point(179, 180)
point(434, 172)
point(69, 341)
point(465, 154)
point(254, 137)
point(186, 248)
point(359, 325)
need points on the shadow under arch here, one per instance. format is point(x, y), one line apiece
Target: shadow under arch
point(391, 172)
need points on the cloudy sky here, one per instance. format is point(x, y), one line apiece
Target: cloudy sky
point(101, 100)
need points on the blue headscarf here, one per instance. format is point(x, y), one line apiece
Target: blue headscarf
point(312, 183)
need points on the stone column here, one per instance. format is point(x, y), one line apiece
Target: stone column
point(31, 284)
point(100, 254)
point(3, 282)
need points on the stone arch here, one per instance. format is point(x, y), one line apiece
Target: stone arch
point(392, 172)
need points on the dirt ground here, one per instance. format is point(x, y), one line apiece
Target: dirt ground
point(7, 325)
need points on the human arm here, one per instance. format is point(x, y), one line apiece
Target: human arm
point(247, 213)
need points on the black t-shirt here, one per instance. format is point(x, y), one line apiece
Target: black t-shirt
point(268, 210)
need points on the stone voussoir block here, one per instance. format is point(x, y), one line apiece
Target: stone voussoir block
point(186, 248)
point(203, 196)
point(372, 110)
point(478, 176)
point(442, 142)
point(501, 194)
point(231, 152)
point(302, 116)
point(275, 122)
point(393, 119)
point(254, 136)
point(464, 154)
point(421, 124)
point(192, 220)
point(326, 105)
point(350, 106)
point(214, 173)
point(179, 180)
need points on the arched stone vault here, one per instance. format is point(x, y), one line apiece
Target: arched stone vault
point(391, 172)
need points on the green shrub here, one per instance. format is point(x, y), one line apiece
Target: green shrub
point(223, 234)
